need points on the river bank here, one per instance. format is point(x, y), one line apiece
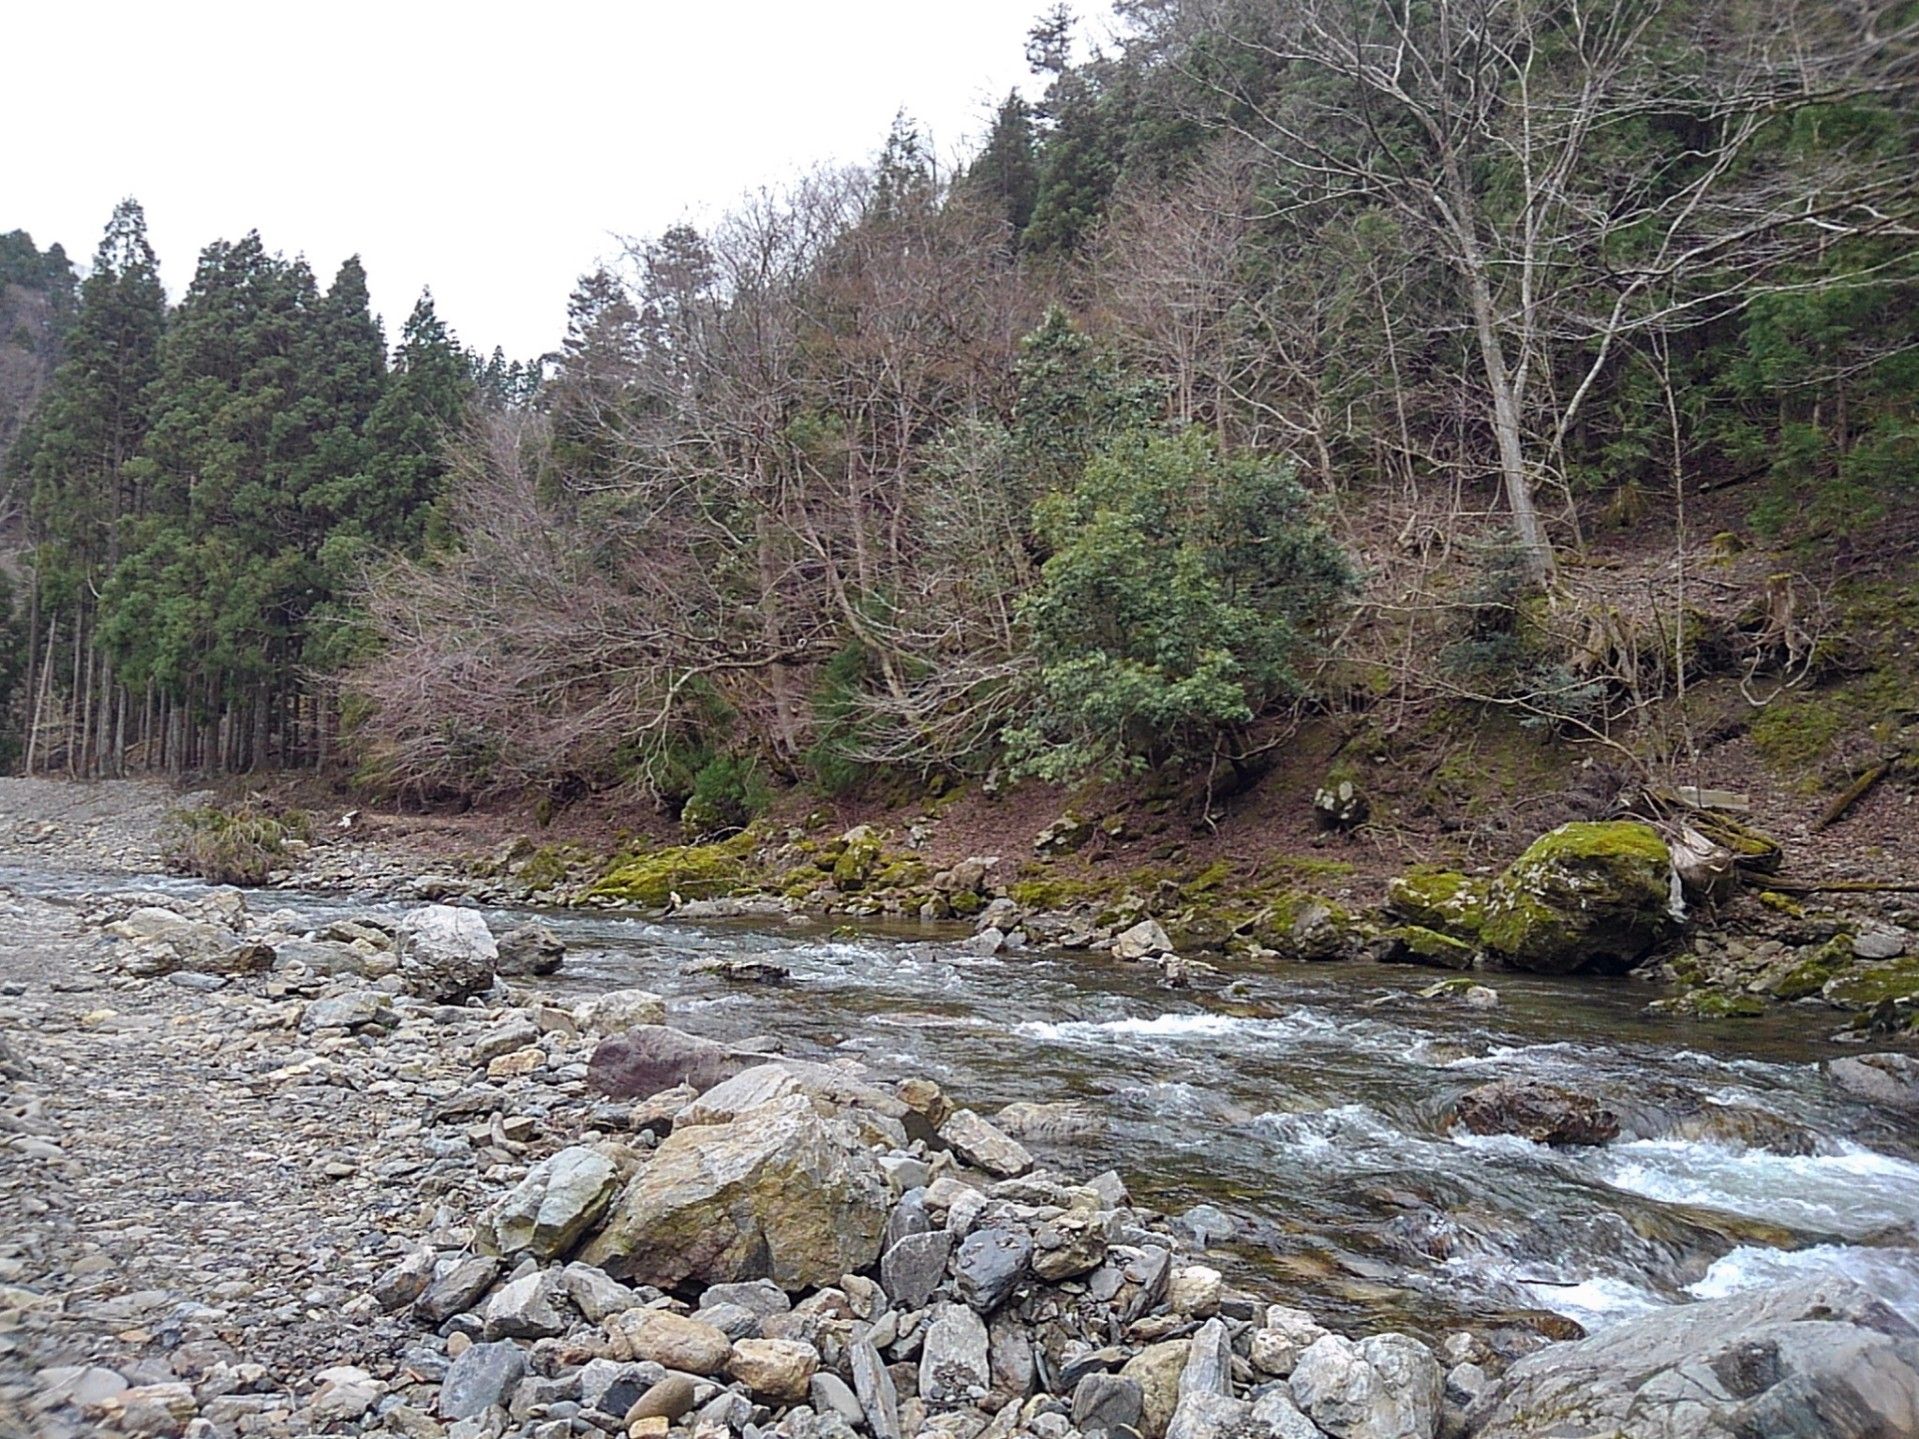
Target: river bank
point(215, 1178)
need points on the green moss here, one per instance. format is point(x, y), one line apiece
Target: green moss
point(1414, 944)
point(1710, 1004)
point(1784, 904)
point(858, 859)
point(1878, 984)
point(1439, 899)
point(692, 871)
point(1588, 895)
point(1752, 849)
point(548, 866)
point(1797, 732)
point(966, 903)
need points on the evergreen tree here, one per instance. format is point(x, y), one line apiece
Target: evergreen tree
point(432, 381)
point(1005, 174)
point(593, 383)
point(99, 409)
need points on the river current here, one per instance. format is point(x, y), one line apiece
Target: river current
point(1306, 1104)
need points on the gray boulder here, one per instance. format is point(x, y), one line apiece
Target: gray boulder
point(484, 1376)
point(446, 954)
point(1819, 1359)
point(561, 1198)
point(1387, 1386)
point(1888, 1079)
point(529, 949)
point(984, 1147)
point(640, 1062)
point(989, 1264)
point(955, 1367)
point(781, 1193)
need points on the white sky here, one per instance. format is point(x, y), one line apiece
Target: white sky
point(491, 152)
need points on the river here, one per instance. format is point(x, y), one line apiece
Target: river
point(1308, 1102)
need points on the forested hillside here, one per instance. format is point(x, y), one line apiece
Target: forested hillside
point(1277, 361)
point(201, 488)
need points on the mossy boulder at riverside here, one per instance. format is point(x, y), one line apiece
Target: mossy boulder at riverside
point(1891, 984)
point(1442, 900)
point(692, 871)
point(1414, 944)
point(1587, 896)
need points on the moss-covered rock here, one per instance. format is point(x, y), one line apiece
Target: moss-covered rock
point(1414, 944)
point(1442, 900)
point(1587, 896)
point(859, 854)
point(1709, 1004)
point(692, 871)
point(1812, 969)
point(1875, 985)
point(1304, 927)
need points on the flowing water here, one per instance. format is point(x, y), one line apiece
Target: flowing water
point(1308, 1104)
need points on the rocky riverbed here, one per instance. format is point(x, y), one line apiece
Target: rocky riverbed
point(285, 1164)
point(368, 1175)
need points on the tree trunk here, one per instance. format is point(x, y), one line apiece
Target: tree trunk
point(1512, 458)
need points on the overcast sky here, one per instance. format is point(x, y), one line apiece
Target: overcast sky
point(491, 153)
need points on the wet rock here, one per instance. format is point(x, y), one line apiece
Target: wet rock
point(530, 949)
point(1537, 1111)
point(1584, 897)
point(669, 1339)
point(1145, 940)
point(545, 1214)
point(1819, 1357)
point(1891, 1080)
point(482, 1377)
point(777, 1371)
point(912, 1268)
point(1413, 944)
point(989, 1264)
point(458, 1289)
point(982, 1146)
point(781, 1193)
point(445, 954)
point(955, 1366)
point(1106, 1402)
point(638, 1063)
